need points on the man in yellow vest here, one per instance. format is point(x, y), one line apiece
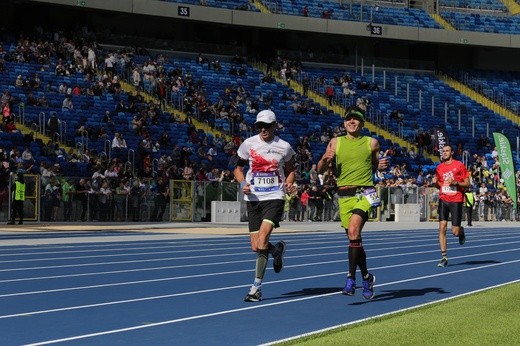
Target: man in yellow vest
point(469, 202)
point(18, 198)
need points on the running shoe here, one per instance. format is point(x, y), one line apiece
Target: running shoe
point(443, 262)
point(278, 257)
point(368, 287)
point(350, 287)
point(254, 295)
point(462, 236)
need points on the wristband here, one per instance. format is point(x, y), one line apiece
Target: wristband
point(242, 184)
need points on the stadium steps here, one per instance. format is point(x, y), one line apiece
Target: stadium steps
point(442, 22)
point(260, 6)
point(341, 110)
point(198, 125)
point(475, 96)
point(512, 6)
point(37, 135)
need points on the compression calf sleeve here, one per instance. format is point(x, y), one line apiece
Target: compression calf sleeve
point(261, 263)
point(356, 257)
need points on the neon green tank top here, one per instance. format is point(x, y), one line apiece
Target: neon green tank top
point(354, 161)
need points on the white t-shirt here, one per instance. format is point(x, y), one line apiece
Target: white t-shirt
point(267, 160)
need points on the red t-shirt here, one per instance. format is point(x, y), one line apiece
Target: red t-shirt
point(456, 171)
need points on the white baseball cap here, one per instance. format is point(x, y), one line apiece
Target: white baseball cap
point(266, 116)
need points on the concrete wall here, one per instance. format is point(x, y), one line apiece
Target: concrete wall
point(294, 23)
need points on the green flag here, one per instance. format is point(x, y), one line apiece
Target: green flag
point(505, 157)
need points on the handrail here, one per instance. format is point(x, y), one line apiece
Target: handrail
point(42, 122)
point(108, 148)
point(63, 131)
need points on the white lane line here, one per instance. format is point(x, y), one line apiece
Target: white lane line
point(342, 246)
point(374, 241)
point(225, 312)
point(387, 314)
point(246, 270)
point(186, 248)
point(238, 286)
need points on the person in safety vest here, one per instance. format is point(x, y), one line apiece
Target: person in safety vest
point(17, 199)
point(469, 203)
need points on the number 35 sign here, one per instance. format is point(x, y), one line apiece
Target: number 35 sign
point(183, 11)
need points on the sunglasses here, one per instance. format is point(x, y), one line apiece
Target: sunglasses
point(267, 126)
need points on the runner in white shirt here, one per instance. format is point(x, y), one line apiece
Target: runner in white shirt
point(270, 175)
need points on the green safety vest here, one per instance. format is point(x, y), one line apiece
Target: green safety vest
point(469, 201)
point(19, 191)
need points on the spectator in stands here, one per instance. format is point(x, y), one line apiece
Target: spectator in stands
point(494, 153)
point(188, 172)
point(345, 85)
point(212, 152)
point(313, 175)
point(91, 58)
point(107, 118)
point(137, 124)
point(67, 104)
point(162, 197)
point(6, 110)
point(302, 214)
point(136, 78)
point(397, 116)
point(27, 155)
point(327, 14)
point(10, 126)
point(42, 102)
point(19, 81)
point(329, 93)
point(119, 142)
point(51, 200)
point(77, 90)
point(104, 198)
point(328, 199)
point(67, 191)
point(213, 175)
point(315, 203)
point(53, 125)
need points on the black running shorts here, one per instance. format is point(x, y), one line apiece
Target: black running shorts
point(271, 210)
point(451, 208)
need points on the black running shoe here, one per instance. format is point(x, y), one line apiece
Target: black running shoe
point(253, 296)
point(462, 236)
point(278, 257)
point(443, 262)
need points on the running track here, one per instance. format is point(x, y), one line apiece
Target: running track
point(132, 288)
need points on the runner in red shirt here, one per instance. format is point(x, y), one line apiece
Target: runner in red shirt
point(452, 178)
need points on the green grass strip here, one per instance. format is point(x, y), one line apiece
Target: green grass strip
point(490, 317)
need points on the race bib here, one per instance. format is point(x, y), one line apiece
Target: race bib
point(449, 190)
point(265, 181)
point(372, 197)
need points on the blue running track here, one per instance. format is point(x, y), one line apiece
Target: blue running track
point(132, 288)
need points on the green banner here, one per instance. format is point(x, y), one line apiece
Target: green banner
point(507, 169)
